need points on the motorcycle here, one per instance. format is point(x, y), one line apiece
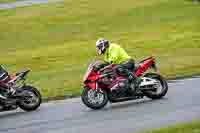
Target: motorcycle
point(26, 97)
point(106, 84)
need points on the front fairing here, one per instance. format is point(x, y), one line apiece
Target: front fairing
point(89, 70)
point(90, 77)
point(90, 74)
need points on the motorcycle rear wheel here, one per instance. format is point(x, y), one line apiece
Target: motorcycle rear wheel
point(30, 104)
point(94, 99)
point(162, 90)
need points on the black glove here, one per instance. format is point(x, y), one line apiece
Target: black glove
point(97, 68)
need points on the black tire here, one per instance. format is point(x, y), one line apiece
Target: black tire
point(151, 94)
point(36, 93)
point(84, 98)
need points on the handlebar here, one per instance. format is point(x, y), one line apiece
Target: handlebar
point(20, 76)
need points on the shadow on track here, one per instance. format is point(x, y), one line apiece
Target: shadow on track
point(11, 114)
point(136, 103)
point(14, 113)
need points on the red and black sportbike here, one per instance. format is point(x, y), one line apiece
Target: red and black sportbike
point(107, 85)
point(26, 96)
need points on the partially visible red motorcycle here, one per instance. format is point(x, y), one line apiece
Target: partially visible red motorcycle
point(106, 84)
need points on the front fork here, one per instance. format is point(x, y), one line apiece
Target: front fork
point(94, 86)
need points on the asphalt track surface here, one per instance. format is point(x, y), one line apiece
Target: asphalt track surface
point(23, 3)
point(181, 104)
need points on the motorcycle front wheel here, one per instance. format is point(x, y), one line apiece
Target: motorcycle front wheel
point(94, 99)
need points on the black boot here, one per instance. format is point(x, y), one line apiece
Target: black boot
point(4, 94)
point(135, 80)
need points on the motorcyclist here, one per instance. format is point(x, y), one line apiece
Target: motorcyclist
point(114, 54)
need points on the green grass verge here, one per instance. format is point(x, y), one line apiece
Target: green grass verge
point(193, 127)
point(8, 1)
point(57, 41)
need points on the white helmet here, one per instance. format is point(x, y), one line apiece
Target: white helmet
point(102, 45)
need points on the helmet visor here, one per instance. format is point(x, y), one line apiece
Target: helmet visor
point(99, 49)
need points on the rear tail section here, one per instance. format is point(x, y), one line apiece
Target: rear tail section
point(145, 65)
